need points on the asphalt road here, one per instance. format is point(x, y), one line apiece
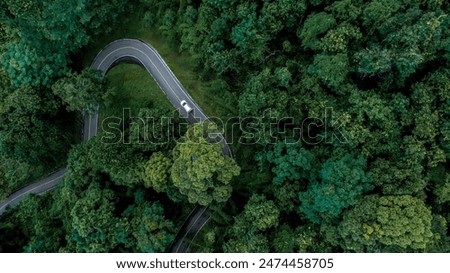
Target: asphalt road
point(138, 52)
point(190, 229)
point(40, 187)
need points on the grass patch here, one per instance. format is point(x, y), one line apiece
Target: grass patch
point(134, 89)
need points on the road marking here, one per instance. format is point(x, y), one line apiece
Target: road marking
point(89, 125)
point(201, 227)
point(32, 189)
point(187, 231)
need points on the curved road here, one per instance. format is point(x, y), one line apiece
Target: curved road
point(136, 51)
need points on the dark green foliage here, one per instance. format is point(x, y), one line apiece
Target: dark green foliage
point(331, 70)
point(25, 66)
point(139, 227)
point(29, 131)
point(151, 230)
point(315, 26)
point(291, 162)
point(14, 174)
point(118, 161)
point(284, 240)
point(342, 182)
point(46, 32)
point(33, 224)
point(248, 243)
point(286, 195)
point(82, 91)
point(94, 227)
point(85, 214)
point(253, 102)
point(250, 228)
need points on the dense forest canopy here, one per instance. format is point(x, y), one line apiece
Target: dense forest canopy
point(368, 82)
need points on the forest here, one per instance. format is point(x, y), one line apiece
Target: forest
point(356, 158)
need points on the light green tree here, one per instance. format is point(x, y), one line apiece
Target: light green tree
point(200, 170)
point(396, 223)
point(156, 172)
point(261, 213)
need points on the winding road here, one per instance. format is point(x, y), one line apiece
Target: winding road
point(138, 52)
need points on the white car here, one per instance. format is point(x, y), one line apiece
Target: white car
point(186, 107)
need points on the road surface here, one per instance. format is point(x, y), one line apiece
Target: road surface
point(138, 52)
point(40, 187)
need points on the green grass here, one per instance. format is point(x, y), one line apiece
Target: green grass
point(135, 88)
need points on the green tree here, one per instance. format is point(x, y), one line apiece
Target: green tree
point(315, 26)
point(387, 223)
point(345, 10)
point(262, 92)
point(250, 228)
point(82, 91)
point(331, 70)
point(118, 160)
point(94, 227)
point(340, 38)
point(248, 243)
point(412, 38)
point(291, 162)
point(262, 213)
point(200, 170)
point(247, 36)
point(379, 11)
point(343, 181)
point(15, 174)
point(29, 131)
point(283, 241)
point(398, 177)
point(151, 230)
point(25, 66)
point(47, 31)
point(156, 172)
point(286, 195)
point(40, 229)
point(281, 14)
point(313, 238)
point(440, 181)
